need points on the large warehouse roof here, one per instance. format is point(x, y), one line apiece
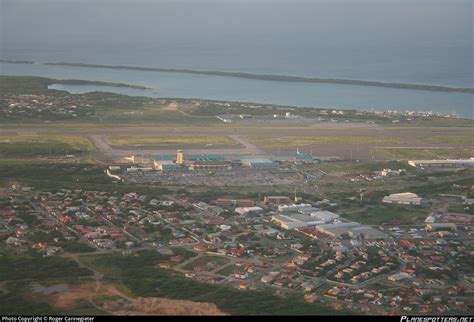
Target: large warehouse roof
point(258, 162)
point(298, 156)
point(163, 157)
point(211, 157)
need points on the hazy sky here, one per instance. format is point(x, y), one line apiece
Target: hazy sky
point(403, 40)
point(33, 23)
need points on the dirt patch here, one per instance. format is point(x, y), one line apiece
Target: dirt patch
point(160, 306)
point(93, 291)
point(70, 298)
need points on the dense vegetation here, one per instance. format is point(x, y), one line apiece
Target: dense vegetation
point(139, 275)
point(26, 149)
point(53, 171)
point(27, 85)
point(33, 266)
point(39, 85)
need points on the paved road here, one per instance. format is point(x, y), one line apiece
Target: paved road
point(249, 146)
point(420, 147)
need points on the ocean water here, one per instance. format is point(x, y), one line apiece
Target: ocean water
point(163, 84)
point(407, 41)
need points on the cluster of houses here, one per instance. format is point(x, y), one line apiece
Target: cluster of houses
point(18, 106)
point(58, 106)
point(258, 252)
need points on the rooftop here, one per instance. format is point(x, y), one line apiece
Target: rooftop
point(257, 160)
point(212, 157)
point(162, 157)
point(299, 156)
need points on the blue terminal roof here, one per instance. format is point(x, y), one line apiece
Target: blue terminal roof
point(298, 156)
point(213, 157)
point(171, 166)
point(164, 157)
point(263, 164)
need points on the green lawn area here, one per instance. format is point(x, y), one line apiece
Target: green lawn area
point(51, 176)
point(170, 140)
point(446, 122)
point(76, 142)
point(141, 115)
point(298, 141)
point(139, 275)
point(228, 270)
point(77, 247)
point(448, 139)
point(22, 146)
point(65, 172)
point(213, 260)
point(470, 303)
point(34, 266)
point(456, 206)
point(387, 214)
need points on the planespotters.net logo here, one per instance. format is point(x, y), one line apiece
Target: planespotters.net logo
point(437, 319)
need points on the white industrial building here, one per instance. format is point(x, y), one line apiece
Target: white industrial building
point(248, 210)
point(259, 163)
point(295, 221)
point(323, 215)
point(166, 165)
point(405, 198)
point(294, 207)
point(352, 229)
point(307, 216)
point(337, 229)
point(326, 222)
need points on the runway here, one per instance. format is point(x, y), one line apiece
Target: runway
point(248, 149)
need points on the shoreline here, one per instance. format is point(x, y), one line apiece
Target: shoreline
point(264, 77)
point(97, 83)
point(46, 82)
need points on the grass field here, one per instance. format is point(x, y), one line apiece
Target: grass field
point(76, 142)
point(34, 266)
point(148, 115)
point(212, 260)
point(52, 175)
point(446, 122)
point(406, 154)
point(298, 141)
point(170, 140)
point(390, 214)
point(228, 270)
point(448, 139)
point(28, 146)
